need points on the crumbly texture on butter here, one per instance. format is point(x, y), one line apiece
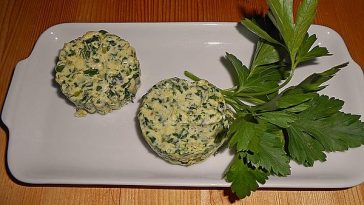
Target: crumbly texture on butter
point(184, 122)
point(98, 72)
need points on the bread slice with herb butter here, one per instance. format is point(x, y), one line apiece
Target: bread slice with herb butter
point(98, 72)
point(183, 122)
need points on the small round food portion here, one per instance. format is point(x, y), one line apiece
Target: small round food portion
point(184, 122)
point(98, 72)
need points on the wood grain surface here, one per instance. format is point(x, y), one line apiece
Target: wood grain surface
point(21, 23)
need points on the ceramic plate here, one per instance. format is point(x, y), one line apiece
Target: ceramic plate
point(48, 145)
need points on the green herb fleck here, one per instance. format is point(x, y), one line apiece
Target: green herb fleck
point(71, 53)
point(103, 32)
point(59, 68)
point(91, 72)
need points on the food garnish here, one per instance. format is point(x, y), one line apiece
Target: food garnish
point(274, 124)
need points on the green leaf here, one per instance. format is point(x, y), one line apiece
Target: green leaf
point(286, 100)
point(265, 150)
point(281, 14)
point(305, 54)
point(262, 78)
point(293, 99)
point(241, 70)
point(336, 131)
point(280, 118)
point(255, 28)
point(244, 179)
point(304, 18)
point(322, 127)
point(265, 53)
point(322, 107)
point(243, 133)
point(293, 33)
point(308, 41)
point(298, 108)
point(268, 153)
point(316, 52)
point(313, 82)
point(303, 148)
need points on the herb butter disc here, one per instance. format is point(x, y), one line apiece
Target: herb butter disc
point(183, 122)
point(98, 72)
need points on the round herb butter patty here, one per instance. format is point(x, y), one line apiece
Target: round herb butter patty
point(98, 72)
point(183, 122)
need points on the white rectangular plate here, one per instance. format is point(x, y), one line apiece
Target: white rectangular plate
point(47, 144)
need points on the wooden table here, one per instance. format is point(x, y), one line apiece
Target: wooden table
point(21, 23)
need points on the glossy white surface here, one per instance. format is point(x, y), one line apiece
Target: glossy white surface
point(48, 145)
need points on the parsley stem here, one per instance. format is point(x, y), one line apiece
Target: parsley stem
point(228, 93)
point(195, 78)
point(191, 76)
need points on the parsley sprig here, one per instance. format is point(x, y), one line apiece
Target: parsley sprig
point(272, 126)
